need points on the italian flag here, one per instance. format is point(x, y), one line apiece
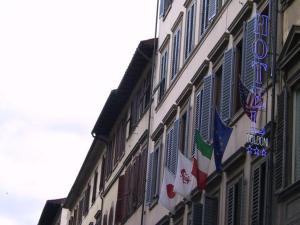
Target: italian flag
point(201, 160)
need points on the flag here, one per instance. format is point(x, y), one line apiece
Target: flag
point(201, 160)
point(248, 101)
point(168, 198)
point(185, 182)
point(221, 136)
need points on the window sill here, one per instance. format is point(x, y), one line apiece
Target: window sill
point(288, 191)
point(154, 202)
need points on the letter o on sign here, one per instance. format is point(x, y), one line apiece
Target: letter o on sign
point(260, 49)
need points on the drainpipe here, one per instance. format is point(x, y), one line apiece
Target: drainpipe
point(269, 206)
point(151, 101)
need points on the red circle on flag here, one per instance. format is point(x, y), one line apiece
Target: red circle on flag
point(170, 191)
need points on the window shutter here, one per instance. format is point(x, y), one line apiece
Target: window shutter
point(230, 206)
point(149, 180)
point(161, 8)
point(198, 113)
point(203, 16)
point(111, 216)
point(105, 219)
point(197, 209)
point(142, 176)
point(206, 108)
point(210, 211)
point(248, 73)
point(239, 201)
point(102, 178)
point(212, 9)
point(297, 135)
point(120, 200)
point(95, 187)
point(187, 130)
point(227, 85)
point(169, 147)
point(281, 131)
point(257, 190)
point(174, 153)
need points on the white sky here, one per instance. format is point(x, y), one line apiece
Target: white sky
point(59, 60)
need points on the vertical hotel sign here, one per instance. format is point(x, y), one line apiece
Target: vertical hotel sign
point(256, 142)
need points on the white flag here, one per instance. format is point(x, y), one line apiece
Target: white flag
point(185, 182)
point(168, 198)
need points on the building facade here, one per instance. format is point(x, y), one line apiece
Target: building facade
point(207, 55)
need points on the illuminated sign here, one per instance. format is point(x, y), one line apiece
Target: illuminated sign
point(256, 142)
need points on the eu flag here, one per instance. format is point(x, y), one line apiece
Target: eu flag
point(221, 136)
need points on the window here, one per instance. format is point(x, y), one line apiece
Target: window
point(234, 202)
point(153, 176)
point(190, 30)
point(183, 132)
point(237, 74)
point(296, 134)
point(86, 201)
point(176, 52)
point(258, 195)
point(209, 10)
point(163, 74)
point(218, 87)
point(164, 7)
point(95, 186)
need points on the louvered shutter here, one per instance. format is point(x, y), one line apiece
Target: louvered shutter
point(169, 147)
point(149, 179)
point(248, 72)
point(174, 153)
point(281, 134)
point(138, 181)
point(210, 211)
point(212, 9)
point(142, 176)
point(187, 130)
point(258, 195)
point(227, 86)
point(206, 108)
point(197, 210)
point(120, 200)
point(297, 135)
point(105, 219)
point(203, 16)
point(230, 205)
point(197, 115)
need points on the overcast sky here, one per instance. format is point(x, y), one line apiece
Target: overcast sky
point(59, 60)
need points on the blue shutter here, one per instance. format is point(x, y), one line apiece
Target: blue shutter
point(297, 135)
point(227, 85)
point(169, 147)
point(206, 108)
point(162, 8)
point(149, 180)
point(187, 129)
point(210, 211)
point(197, 115)
point(212, 9)
point(197, 209)
point(248, 72)
point(203, 16)
point(174, 153)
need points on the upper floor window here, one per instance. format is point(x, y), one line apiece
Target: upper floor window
point(176, 52)
point(190, 29)
point(164, 7)
point(163, 73)
point(209, 10)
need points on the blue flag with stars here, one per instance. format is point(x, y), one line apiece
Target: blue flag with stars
point(221, 136)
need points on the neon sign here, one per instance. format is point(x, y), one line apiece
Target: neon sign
point(256, 142)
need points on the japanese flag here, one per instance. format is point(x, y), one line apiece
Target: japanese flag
point(185, 182)
point(168, 198)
